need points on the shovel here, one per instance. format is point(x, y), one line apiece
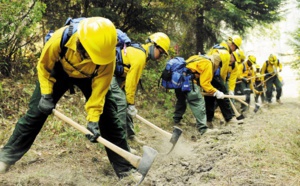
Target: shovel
point(241, 97)
point(173, 137)
point(256, 108)
point(237, 114)
point(142, 164)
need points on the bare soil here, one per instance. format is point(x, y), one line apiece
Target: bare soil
point(263, 151)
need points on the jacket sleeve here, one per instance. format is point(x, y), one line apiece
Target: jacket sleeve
point(206, 75)
point(263, 70)
point(232, 78)
point(100, 85)
point(137, 61)
point(252, 79)
point(280, 65)
point(48, 58)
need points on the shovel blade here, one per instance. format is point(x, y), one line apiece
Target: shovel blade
point(176, 134)
point(240, 117)
point(146, 161)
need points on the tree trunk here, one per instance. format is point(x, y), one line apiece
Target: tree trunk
point(200, 34)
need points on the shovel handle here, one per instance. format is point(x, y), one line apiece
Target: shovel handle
point(234, 109)
point(243, 102)
point(131, 158)
point(243, 97)
point(163, 132)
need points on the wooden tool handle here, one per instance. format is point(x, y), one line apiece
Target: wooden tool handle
point(163, 132)
point(131, 158)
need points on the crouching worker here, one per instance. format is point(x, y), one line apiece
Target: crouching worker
point(88, 62)
point(199, 69)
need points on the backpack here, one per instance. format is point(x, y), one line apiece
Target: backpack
point(219, 47)
point(176, 75)
point(68, 32)
point(123, 42)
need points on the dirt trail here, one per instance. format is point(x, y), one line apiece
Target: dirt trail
point(254, 153)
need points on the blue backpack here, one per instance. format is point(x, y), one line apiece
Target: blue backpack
point(68, 32)
point(123, 42)
point(176, 75)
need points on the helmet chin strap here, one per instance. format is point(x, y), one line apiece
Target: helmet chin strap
point(151, 52)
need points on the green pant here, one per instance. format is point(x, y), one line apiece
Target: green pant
point(28, 126)
point(243, 88)
point(269, 84)
point(126, 119)
point(196, 103)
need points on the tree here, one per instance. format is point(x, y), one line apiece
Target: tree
point(295, 43)
point(18, 23)
point(214, 16)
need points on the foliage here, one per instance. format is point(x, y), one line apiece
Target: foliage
point(18, 27)
point(216, 20)
point(295, 43)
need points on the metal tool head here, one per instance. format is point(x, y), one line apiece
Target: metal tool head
point(257, 106)
point(175, 136)
point(240, 117)
point(146, 161)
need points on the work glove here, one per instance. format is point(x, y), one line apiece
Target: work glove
point(219, 95)
point(46, 104)
point(231, 93)
point(131, 110)
point(94, 128)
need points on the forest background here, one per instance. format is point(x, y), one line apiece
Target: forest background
point(193, 26)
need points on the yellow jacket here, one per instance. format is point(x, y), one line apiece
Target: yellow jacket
point(233, 72)
point(225, 45)
point(248, 73)
point(79, 69)
point(204, 68)
point(271, 69)
point(136, 59)
point(240, 67)
point(224, 60)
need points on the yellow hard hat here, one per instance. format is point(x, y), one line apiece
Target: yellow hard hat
point(237, 56)
point(272, 59)
point(252, 59)
point(237, 40)
point(161, 40)
point(98, 36)
point(257, 66)
point(241, 54)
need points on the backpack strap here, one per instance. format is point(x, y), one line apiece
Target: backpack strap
point(138, 46)
point(65, 38)
point(218, 46)
point(244, 67)
point(95, 71)
point(267, 64)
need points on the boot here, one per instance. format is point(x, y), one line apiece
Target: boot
point(209, 124)
point(279, 101)
point(179, 123)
